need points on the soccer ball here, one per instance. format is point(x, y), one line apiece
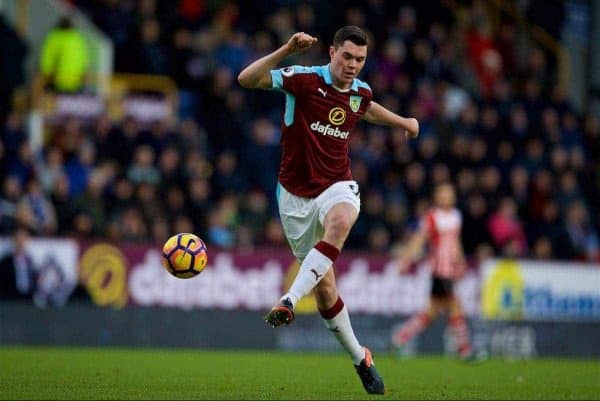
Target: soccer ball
point(184, 255)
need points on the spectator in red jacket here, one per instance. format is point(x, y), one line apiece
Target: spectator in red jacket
point(506, 229)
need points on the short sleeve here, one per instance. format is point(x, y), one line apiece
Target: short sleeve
point(277, 79)
point(287, 79)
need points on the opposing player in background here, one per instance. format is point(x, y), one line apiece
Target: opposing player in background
point(318, 200)
point(440, 229)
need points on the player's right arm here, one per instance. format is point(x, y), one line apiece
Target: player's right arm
point(258, 74)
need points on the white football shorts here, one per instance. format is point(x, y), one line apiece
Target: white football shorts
point(302, 218)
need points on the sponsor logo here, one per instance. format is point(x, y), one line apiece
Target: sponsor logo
point(355, 103)
point(322, 92)
point(510, 292)
point(224, 284)
point(335, 132)
point(317, 275)
point(503, 292)
point(287, 71)
point(103, 270)
point(337, 116)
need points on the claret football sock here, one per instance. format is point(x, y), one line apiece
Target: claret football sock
point(313, 269)
point(337, 321)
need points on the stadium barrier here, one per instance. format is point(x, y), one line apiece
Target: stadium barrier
point(99, 294)
point(144, 98)
point(88, 325)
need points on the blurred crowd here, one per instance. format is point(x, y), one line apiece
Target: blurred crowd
point(494, 121)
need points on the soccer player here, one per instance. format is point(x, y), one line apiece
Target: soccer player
point(318, 200)
point(440, 227)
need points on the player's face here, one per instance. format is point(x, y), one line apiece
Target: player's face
point(445, 197)
point(346, 63)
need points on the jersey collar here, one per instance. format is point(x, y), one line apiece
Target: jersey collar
point(329, 81)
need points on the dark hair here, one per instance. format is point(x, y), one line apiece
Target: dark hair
point(64, 23)
point(352, 33)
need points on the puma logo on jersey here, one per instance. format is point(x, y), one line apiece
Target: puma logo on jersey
point(317, 275)
point(322, 92)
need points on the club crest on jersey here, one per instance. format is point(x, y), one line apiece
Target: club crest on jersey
point(337, 116)
point(355, 103)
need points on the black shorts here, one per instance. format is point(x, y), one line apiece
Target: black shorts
point(441, 287)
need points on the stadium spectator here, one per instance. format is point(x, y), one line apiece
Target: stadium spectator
point(226, 177)
point(218, 232)
point(274, 236)
point(484, 56)
point(131, 226)
point(80, 166)
point(50, 169)
point(144, 54)
point(13, 50)
point(474, 232)
point(260, 159)
point(12, 191)
point(64, 60)
point(36, 211)
point(160, 231)
point(92, 203)
point(550, 228)
point(583, 241)
point(199, 200)
point(146, 198)
point(181, 60)
point(18, 274)
point(62, 202)
point(142, 168)
point(542, 249)
point(541, 190)
point(20, 157)
point(506, 229)
point(254, 212)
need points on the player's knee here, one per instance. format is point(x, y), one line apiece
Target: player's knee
point(339, 226)
point(456, 308)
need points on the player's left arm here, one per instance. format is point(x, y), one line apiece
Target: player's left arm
point(412, 249)
point(377, 114)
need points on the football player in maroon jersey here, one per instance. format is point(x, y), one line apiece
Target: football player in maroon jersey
point(318, 199)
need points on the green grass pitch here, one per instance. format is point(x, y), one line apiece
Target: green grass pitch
point(117, 373)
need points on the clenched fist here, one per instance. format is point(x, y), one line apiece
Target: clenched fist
point(300, 41)
point(412, 128)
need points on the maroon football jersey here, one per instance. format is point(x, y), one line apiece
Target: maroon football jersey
point(317, 124)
